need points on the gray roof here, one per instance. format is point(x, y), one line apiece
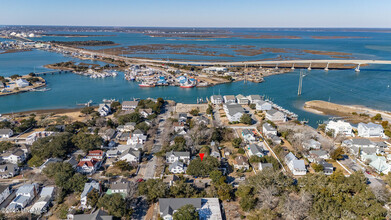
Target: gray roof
point(130, 103)
point(5, 131)
point(268, 127)
point(131, 151)
point(217, 97)
point(369, 150)
point(273, 112)
point(255, 149)
point(175, 164)
point(3, 187)
point(47, 191)
point(123, 184)
point(266, 165)
point(88, 187)
point(230, 97)
point(97, 215)
point(361, 141)
point(255, 97)
point(168, 206)
point(370, 125)
point(299, 165)
point(234, 108)
point(138, 131)
point(326, 165)
point(27, 188)
point(290, 157)
point(178, 153)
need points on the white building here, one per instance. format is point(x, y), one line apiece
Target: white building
point(6, 133)
point(216, 99)
point(24, 195)
point(177, 167)
point(129, 105)
point(275, 116)
point(267, 129)
point(370, 130)
point(15, 157)
point(241, 100)
point(131, 156)
point(296, 166)
point(233, 111)
point(339, 128)
point(22, 83)
point(37, 135)
point(104, 110)
point(263, 106)
point(42, 205)
point(88, 187)
point(254, 98)
point(229, 99)
point(174, 156)
point(4, 192)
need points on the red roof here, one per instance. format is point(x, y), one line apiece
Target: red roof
point(89, 163)
point(95, 153)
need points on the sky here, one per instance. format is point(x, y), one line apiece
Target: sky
point(198, 13)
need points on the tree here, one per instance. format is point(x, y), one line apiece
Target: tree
point(65, 177)
point(255, 159)
point(246, 119)
point(153, 189)
point(237, 142)
point(87, 142)
point(194, 112)
point(181, 189)
point(132, 117)
point(246, 194)
point(87, 110)
point(377, 117)
point(142, 126)
point(209, 110)
point(123, 165)
point(6, 145)
point(186, 212)
point(252, 106)
point(15, 76)
point(115, 205)
point(337, 154)
point(317, 167)
point(241, 151)
point(202, 168)
point(92, 198)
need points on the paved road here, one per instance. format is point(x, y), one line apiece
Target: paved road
point(356, 166)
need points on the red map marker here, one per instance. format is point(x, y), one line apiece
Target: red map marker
point(201, 156)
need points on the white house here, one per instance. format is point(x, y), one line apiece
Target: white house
point(229, 99)
point(173, 156)
point(97, 154)
point(216, 99)
point(254, 98)
point(129, 105)
point(296, 166)
point(370, 130)
point(104, 110)
point(88, 187)
point(6, 133)
point(24, 195)
point(15, 157)
point(207, 208)
point(42, 205)
point(241, 162)
point(4, 192)
point(233, 111)
point(137, 137)
point(311, 144)
point(339, 128)
point(275, 116)
point(380, 165)
point(267, 129)
point(22, 83)
point(255, 150)
point(37, 135)
point(248, 135)
point(263, 106)
point(88, 166)
point(318, 155)
point(131, 156)
point(146, 112)
point(177, 167)
point(241, 100)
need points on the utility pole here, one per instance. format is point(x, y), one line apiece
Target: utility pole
point(300, 83)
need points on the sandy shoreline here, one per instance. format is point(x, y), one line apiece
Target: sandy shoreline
point(346, 111)
point(46, 111)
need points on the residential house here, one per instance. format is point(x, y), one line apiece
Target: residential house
point(88, 166)
point(182, 117)
point(4, 192)
point(49, 161)
point(248, 135)
point(137, 137)
point(380, 165)
point(96, 154)
point(296, 166)
point(6, 133)
point(255, 150)
point(72, 161)
point(173, 156)
point(242, 100)
point(328, 168)
point(88, 187)
point(177, 167)
point(129, 105)
point(208, 208)
point(15, 157)
point(311, 144)
point(216, 99)
point(214, 150)
point(275, 139)
point(42, 205)
point(146, 112)
point(275, 116)
point(234, 112)
point(127, 127)
point(99, 214)
point(339, 128)
point(8, 170)
point(107, 133)
point(179, 127)
point(202, 120)
point(267, 129)
point(318, 155)
point(121, 186)
point(104, 110)
point(37, 135)
point(262, 166)
point(370, 130)
point(24, 195)
point(22, 83)
point(254, 99)
point(131, 156)
point(241, 162)
point(263, 106)
point(229, 99)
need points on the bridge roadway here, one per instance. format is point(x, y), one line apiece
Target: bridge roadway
point(236, 63)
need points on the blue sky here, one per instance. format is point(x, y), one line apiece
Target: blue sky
point(198, 13)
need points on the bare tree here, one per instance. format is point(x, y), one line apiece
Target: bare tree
point(296, 206)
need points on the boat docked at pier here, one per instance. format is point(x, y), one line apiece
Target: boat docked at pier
point(146, 84)
point(188, 84)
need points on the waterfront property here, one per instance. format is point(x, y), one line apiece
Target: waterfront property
point(233, 111)
point(339, 128)
point(370, 130)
